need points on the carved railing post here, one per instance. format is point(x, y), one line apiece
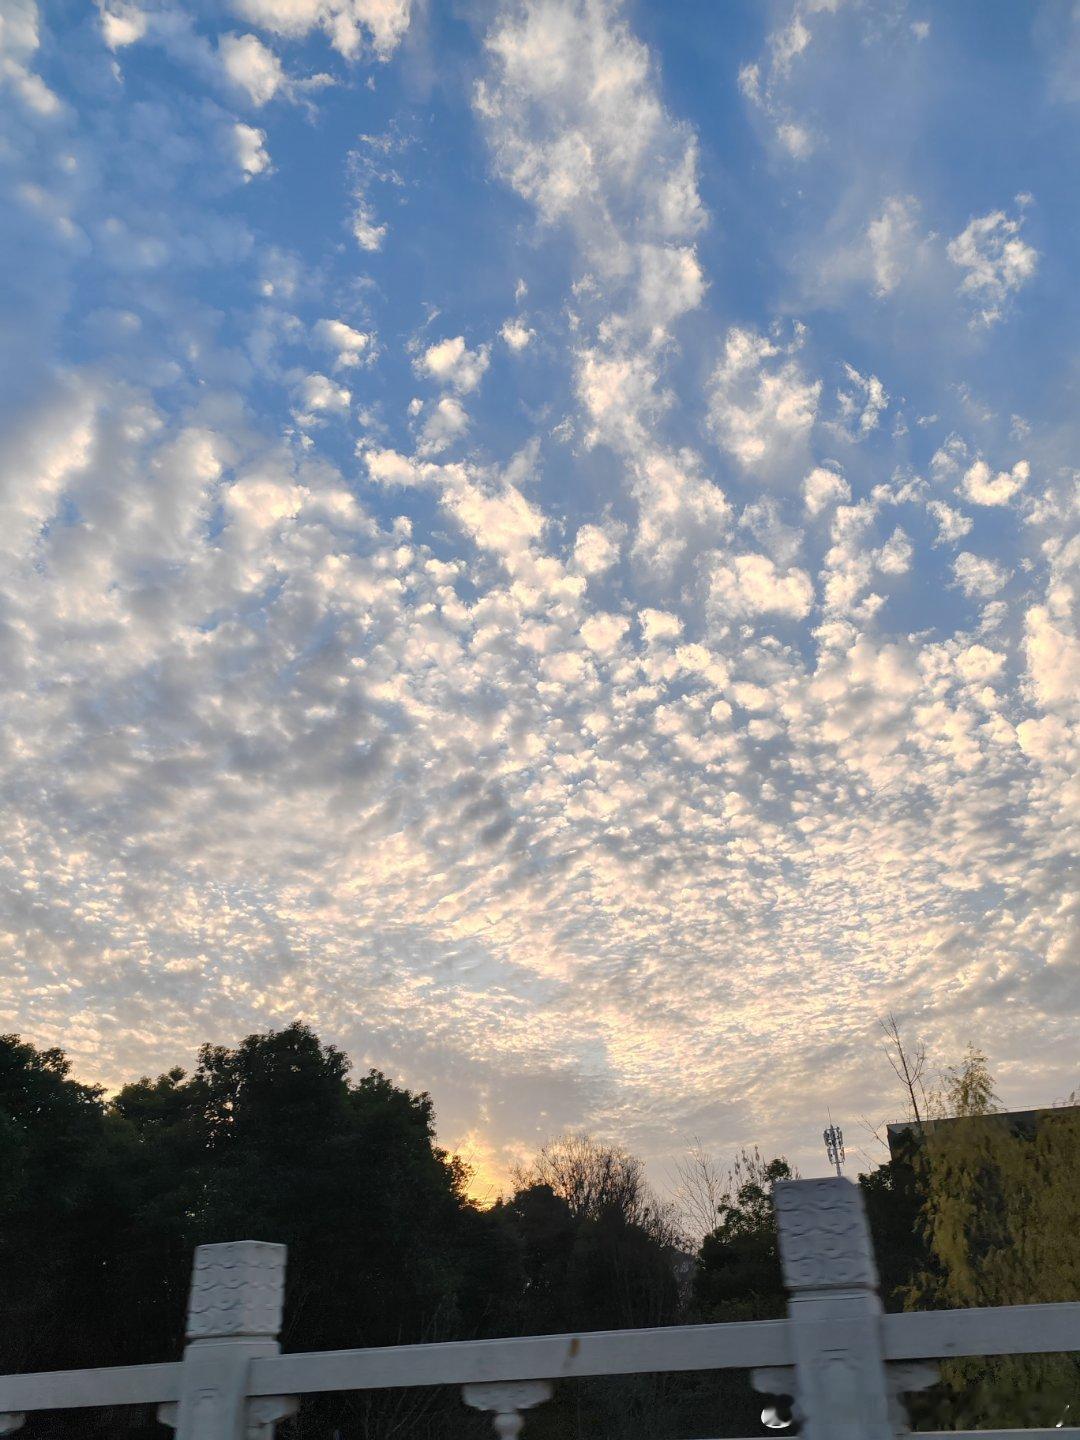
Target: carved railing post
point(838, 1381)
point(234, 1315)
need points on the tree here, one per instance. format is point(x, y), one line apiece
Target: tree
point(101, 1205)
point(893, 1202)
point(1000, 1221)
point(738, 1275)
point(348, 1175)
point(544, 1232)
point(57, 1207)
point(701, 1186)
point(590, 1177)
point(599, 1246)
point(967, 1088)
point(908, 1062)
point(598, 1252)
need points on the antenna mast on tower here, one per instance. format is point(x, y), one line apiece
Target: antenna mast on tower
point(834, 1145)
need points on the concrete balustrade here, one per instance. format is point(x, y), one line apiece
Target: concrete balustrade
point(845, 1365)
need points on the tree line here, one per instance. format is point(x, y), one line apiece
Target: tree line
point(103, 1199)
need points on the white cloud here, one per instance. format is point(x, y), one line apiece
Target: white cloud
point(595, 550)
point(249, 148)
point(1053, 661)
point(658, 626)
point(251, 66)
point(764, 83)
point(952, 524)
point(517, 334)
point(367, 232)
point(762, 518)
point(849, 561)
point(450, 362)
point(347, 23)
point(752, 585)
point(861, 407)
point(19, 42)
point(497, 517)
point(603, 633)
point(896, 555)
point(369, 163)
point(349, 346)
point(390, 467)
point(43, 461)
point(578, 130)
point(1048, 739)
point(949, 457)
point(982, 487)
point(446, 421)
point(978, 576)
point(671, 283)
point(761, 404)
point(317, 395)
point(749, 81)
point(257, 502)
point(619, 393)
point(122, 25)
point(893, 239)
point(823, 488)
point(788, 43)
point(796, 139)
point(997, 261)
point(977, 664)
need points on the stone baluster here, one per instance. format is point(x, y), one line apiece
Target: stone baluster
point(234, 1316)
point(506, 1400)
point(840, 1385)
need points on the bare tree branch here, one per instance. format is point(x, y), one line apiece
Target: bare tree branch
point(701, 1186)
point(908, 1064)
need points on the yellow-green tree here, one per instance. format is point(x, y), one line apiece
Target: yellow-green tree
point(1001, 1220)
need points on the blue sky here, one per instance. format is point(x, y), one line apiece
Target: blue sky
point(542, 538)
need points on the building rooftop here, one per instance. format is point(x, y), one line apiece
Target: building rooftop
point(1022, 1122)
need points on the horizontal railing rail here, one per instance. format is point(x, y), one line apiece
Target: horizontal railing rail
point(746, 1345)
point(531, 1357)
point(82, 1389)
point(997, 1330)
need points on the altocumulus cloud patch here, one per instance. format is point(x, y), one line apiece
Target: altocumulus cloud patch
point(556, 568)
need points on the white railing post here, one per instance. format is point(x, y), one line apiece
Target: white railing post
point(234, 1315)
point(838, 1381)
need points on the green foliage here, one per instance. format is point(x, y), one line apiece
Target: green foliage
point(737, 1276)
point(893, 1203)
point(103, 1204)
point(56, 1203)
point(1001, 1220)
point(593, 1257)
point(967, 1088)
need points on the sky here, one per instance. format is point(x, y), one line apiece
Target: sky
point(541, 538)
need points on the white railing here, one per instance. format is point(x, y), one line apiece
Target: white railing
point(844, 1363)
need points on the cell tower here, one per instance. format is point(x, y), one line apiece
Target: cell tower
point(834, 1145)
